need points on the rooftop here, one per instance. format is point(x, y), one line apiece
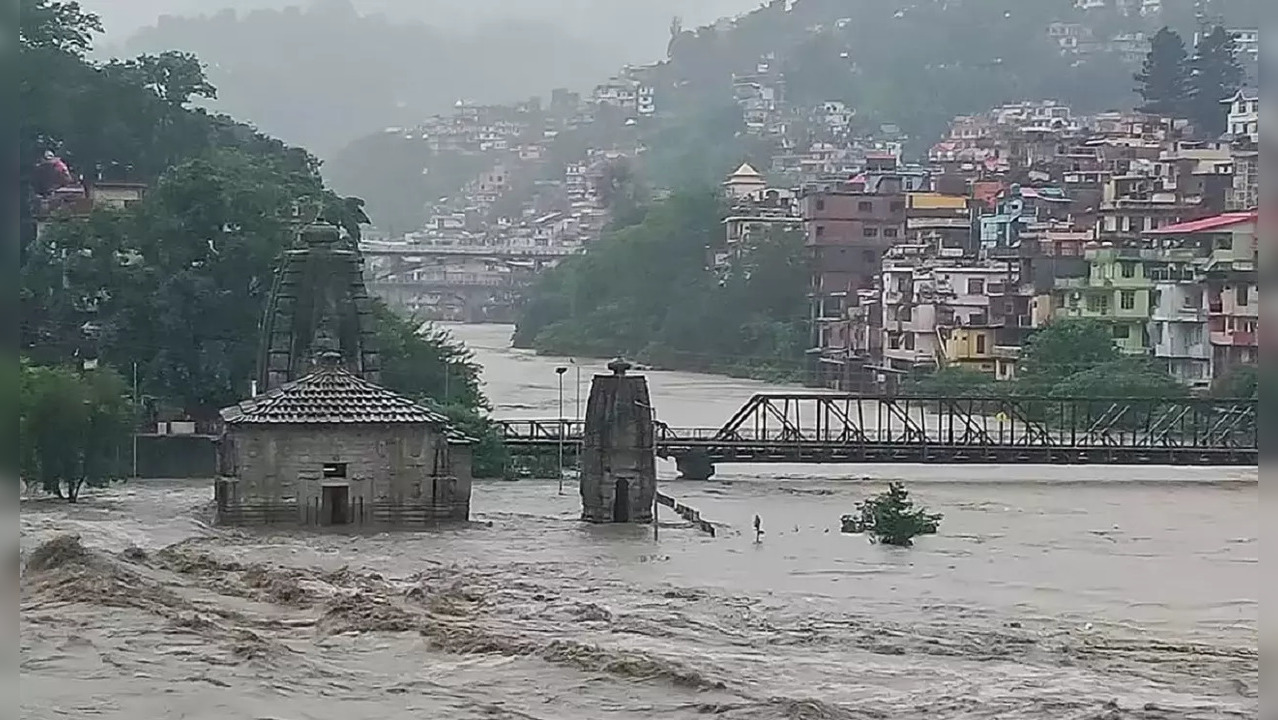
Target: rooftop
point(333, 395)
point(1216, 223)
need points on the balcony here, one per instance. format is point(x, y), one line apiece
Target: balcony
point(1170, 350)
point(911, 357)
point(1180, 315)
point(1236, 338)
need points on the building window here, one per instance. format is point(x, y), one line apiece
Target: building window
point(980, 344)
point(1127, 300)
point(870, 232)
point(1128, 269)
point(1098, 304)
point(889, 232)
point(1122, 332)
point(1240, 295)
point(820, 231)
point(865, 206)
point(975, 286)
point(334, 470)
point(820, 204)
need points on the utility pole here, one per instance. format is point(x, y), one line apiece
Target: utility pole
point(559, 371)
point(135, 419)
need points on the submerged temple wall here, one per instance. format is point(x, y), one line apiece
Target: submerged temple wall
point(618, 460)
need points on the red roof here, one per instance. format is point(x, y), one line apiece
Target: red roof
point(1216, 223)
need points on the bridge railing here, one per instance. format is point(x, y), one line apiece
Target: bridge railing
point(831, 419)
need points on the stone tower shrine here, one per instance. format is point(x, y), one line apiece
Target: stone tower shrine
point(618, 458)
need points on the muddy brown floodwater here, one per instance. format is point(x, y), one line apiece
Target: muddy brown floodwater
point(1061, 593)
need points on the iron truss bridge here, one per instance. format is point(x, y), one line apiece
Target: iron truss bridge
point(816, 427)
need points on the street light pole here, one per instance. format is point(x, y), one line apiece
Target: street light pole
point(560, 372)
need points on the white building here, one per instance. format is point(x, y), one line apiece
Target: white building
point(745, 182)
point(1178, 329)
point(939, 315)
point(1244, 115)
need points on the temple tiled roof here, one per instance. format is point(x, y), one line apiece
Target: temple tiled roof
point(334, 395)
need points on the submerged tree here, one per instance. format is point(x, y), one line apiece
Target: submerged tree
point(72, 428)
point(890, 518)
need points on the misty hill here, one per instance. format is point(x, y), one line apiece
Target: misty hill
point(323, 75)
point(635, 28)
point(912, 64)
point(917, 63)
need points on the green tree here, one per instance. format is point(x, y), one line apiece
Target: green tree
point(177, 282)
point(1240, 382)
point(1216, 74)
point(1164, 78)
point(73, 427)
point(425, 362)
point(1061, 349)
point(1128, 377)
point(645, 291)
point(890, 518)
point(955, 381)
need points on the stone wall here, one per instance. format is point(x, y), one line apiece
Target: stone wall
point(175, 456)
point(394, 473)
point(617, 452)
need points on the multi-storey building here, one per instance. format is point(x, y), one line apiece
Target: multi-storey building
point(939, 313)
point(940, 222)
point(1243, 115)
point(1228, 277)
point(848, 228)
point(1114, 289)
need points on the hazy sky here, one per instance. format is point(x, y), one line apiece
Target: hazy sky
point(641, 24)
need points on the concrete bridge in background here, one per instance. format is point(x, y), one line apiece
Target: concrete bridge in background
point(502, 251)
point(474, 283)
point(814, 427)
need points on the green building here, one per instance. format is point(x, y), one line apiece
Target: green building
point(1116, 290)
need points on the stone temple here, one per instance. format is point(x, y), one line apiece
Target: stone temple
point(322, 443)
point(618, 459)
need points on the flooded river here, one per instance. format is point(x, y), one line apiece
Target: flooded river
point(1062, 593)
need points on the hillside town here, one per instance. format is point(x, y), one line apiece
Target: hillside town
point(1020, 214)
point(605, 402)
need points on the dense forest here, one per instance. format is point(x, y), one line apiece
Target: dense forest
point(169, 292)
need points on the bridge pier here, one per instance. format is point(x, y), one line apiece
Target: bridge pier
point(694, 465)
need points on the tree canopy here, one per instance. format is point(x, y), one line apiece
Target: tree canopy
point(1175, 82)
point(72, 428)
point(1215, 75)
point(646, 291)
point(177, 282)
point(1163, 80)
